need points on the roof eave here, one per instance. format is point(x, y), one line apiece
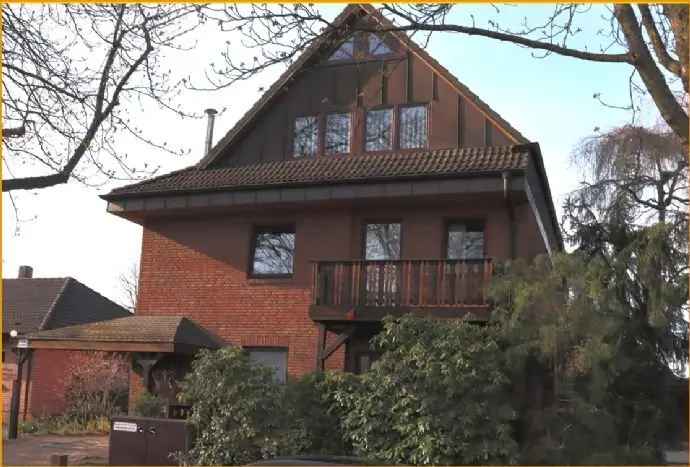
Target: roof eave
point(461, 175)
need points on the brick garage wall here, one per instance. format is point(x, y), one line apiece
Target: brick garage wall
point(48, 379)
point(198, 266)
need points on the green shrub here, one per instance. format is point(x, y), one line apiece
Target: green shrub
point(437, 395)
point(310, 424)
point(149, 405)
point(236, 412)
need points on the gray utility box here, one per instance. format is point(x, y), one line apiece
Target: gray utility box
point(147, 440)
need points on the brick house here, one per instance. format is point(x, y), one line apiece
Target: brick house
point(39, 304)
point(366, 181)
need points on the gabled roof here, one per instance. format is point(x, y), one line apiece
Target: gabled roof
point(172, 330)
point(314, 49)
point(32, 304)
point(455, 162)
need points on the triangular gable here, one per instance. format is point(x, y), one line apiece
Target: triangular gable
point(348, 14)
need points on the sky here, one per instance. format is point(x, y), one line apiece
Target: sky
point(65, 230)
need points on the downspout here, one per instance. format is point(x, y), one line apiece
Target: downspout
point(512, 229)
point(29, 360)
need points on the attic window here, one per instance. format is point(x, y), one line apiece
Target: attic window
point(379, 130)
point(337, 134)
point(377, 46)
point(346, 51)
point(413, 127)
point(306, 136)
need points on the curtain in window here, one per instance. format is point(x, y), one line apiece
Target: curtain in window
point(413, 127)
point(379, 130)
point(306, 136)
point(338, 133)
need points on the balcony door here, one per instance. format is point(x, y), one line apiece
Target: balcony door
point(382, 244)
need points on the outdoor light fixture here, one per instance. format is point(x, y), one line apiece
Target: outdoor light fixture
point(13, 333)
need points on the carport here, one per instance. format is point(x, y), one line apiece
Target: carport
point(150, 340)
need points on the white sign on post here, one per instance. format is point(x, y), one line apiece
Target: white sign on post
point(23, 344)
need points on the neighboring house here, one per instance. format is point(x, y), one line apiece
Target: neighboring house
point(367, 181)
point(36, 304)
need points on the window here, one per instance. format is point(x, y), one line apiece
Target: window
point(377, 46)
point(379, 130)
point(346, 51)
point(275, 359)
point(465, 241)
point(306, 136)
point(413, 127)
point(337, 134)
point(363, 361)
point(274, 251)
point(382, 241)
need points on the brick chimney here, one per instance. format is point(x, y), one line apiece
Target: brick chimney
point(25, 272)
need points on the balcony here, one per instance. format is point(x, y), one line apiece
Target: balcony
point(370, 290)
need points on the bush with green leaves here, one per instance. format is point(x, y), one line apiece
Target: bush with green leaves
point(309, 424)
point(439, 394)
point(236, 413)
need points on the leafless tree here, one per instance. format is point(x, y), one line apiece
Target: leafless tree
point(129, 282)
point(71, 75)
point(645, 167)
point(651, 39)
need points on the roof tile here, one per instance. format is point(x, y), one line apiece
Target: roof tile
point(325, 170)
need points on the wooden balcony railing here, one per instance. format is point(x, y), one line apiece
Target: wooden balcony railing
point(433, 283)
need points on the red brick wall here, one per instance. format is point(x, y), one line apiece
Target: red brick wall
point(197, 266)
point(48, 379)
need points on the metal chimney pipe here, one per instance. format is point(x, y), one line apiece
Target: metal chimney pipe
point(211, 114)
point(25, 272)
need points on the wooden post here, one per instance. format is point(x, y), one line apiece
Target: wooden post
point(147, 362)
point(320, 346)
point(13, 423)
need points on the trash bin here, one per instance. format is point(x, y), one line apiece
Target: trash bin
point(147, 440)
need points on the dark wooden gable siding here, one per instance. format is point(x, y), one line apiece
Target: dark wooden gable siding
point(356, 86)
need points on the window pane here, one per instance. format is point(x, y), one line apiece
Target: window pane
point(379, 130)
point(465, 241)
point(377, 46)
point(306, 136)
point(382, 241)
point(413, 127)
point(275, 359)
point(345, 51)
point(338, 133)
point(273, 253)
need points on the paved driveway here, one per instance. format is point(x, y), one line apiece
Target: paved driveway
point(37, 449)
